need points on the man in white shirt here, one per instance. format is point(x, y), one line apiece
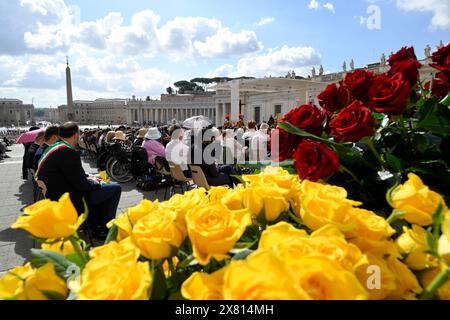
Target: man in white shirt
point(235, 148)
point(251, 130)
point(259, 142)
point(178, 152)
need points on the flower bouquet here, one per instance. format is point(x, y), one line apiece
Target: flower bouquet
point(370, 130)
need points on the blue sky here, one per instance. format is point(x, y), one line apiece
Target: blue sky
point(120, 48)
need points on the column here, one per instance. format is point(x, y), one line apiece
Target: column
point(234, 112)
point(218, 113)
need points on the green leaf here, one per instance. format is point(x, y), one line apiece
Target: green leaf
point(159, 287)
point(437, 219)
point(437, 120)
point(446, 100)
point(52, 295)
point(75, 258)
point(242, 254)
point(420, 143)
point(393, 162)
point(40, 258)
point(112, 234)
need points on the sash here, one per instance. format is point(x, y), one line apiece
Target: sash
point(50, 150)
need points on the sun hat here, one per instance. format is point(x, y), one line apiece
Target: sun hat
point(120, 136)
point(110, 135)
point(141, 133)
point(153, 134)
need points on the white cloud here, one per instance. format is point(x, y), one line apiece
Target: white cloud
point(313, 4)
point(329, 6)
point(53, 27)
point(439, 8)
point(226, 43)
point(316, 5)
point(265, 20)
point(225, 70)
point(276, 62)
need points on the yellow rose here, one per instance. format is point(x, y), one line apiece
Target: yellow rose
point(428, 275)
point(63, 247)
point(280, 233)
point(50, 219)
point(12, 285)
point(379, 281)
point(263, 276)
point(369, 225)
point(412, 243)
point(156, 233)
point(181, 204)
point(216, 193)
point(107, 278)
point(408, 286)
point(123, 250)
point(123, 224)
point(282, 178)
point(45, 283)
point(141, 210)
point(268, 198)
point(214, 229)
point(376, 247)
point(323, 204)
point(325, 279)
point(234, 198)
point(417, 200)
point(204, 286)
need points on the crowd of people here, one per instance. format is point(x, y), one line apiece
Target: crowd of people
point(54, 158)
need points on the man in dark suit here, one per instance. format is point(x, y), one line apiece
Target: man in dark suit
point(61, 170)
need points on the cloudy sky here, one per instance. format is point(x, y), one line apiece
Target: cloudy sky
point(121, 48)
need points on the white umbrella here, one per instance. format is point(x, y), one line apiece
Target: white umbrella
point(197, 122)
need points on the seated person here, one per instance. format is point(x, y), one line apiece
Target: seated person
point(203, 156)
point(61, 170)
point(50, 137)
point(153, 146)
point(176, 151)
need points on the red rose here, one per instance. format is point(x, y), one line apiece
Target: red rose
point(352, 123)
point(307, 117)
point(440, 86)
point(441, 60)
point(313, 160)
point(333, 98)
point(283, 144)
point(389, 94)
point(358, 83)
point(409, 68)
point(405, 61)
point(402, 55)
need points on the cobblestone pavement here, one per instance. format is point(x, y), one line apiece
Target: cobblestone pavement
point(16, 194)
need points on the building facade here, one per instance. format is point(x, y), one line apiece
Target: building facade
point(171, 107)
point(14, 112)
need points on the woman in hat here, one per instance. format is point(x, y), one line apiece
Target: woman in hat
point(140, 137)
point(152, 145)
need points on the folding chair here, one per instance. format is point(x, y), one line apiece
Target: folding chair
point(178, 175)
point(199, 177)
point(162, 167)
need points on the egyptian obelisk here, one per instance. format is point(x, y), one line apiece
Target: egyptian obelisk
point(70, 112)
